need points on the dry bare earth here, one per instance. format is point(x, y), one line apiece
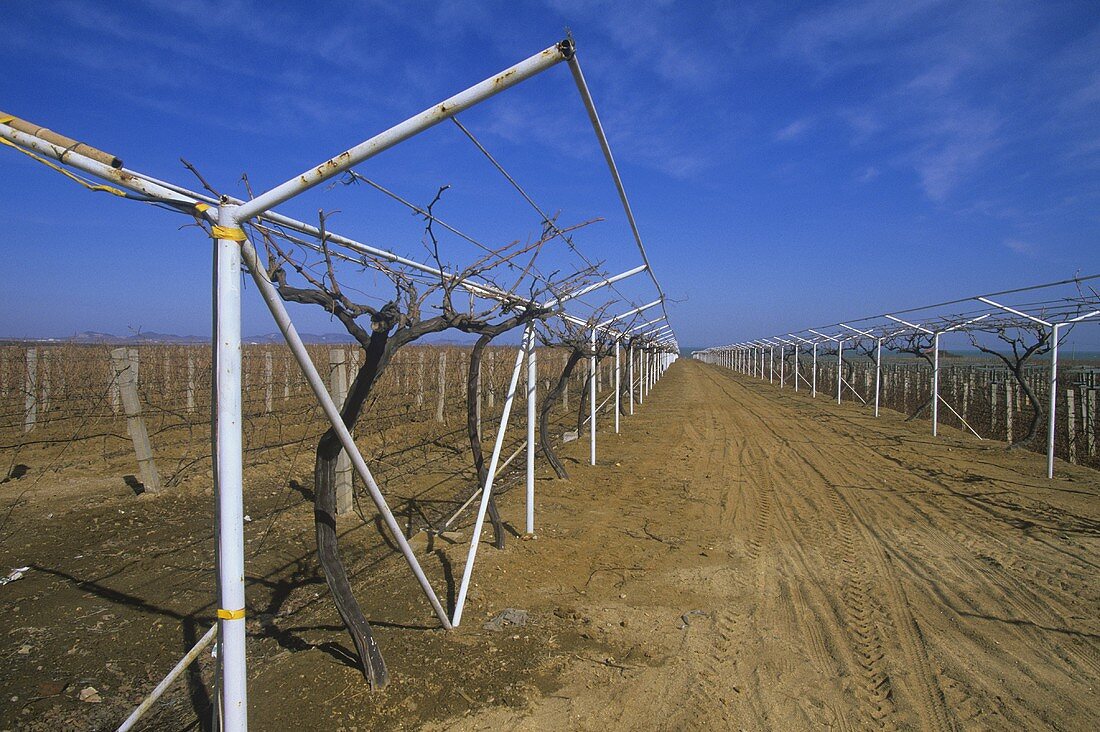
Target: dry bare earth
point(742, 558)
point(851, 573)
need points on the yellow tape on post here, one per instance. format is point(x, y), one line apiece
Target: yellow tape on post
point(227, 232)
point(230, 614)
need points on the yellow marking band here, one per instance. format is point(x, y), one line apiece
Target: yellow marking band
point(200, 207)
point(227, 232)
point(5, 120)
point(230, 614)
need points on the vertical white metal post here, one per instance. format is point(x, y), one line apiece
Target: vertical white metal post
point(878, 372)
point(648, 371)
point(618, 368)
point(796, 349)
point(839, 368)
point(487, 489)
point(771, 364)
point(630, 376)
point(935, 383)
point(782, 366)
point(532, 394)
point(1053, 399)
point(592, 400)
point(228, 477)
point(813, 375)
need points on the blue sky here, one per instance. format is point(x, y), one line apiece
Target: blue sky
point(789, 164)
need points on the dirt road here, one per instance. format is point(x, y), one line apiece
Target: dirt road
point(776, 562)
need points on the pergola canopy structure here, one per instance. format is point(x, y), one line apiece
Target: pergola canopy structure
point(578, 294)
point(1047, 309)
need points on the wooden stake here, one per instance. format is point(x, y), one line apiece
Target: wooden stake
point(44, 385)
point(338, 386)
point(1088, 416)
point(419, 378)
point(492, 384)
point(1071, 424)
point(125, 362)
point(992, 406)
point(442, 386)
point(269, 373)
point(286, 379)
point(190, 381)
point(30, 390)
point(116, 396)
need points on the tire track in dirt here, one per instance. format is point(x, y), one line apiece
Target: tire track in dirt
point(861, 648)
point(874, 606)
point(970, 551)
point(710, 647)
point(972, 557)
point(933, 703)
point(863, 651)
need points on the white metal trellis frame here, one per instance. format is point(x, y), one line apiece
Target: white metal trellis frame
point(839, 361)
point(1053, 386)
point(1057, 313)
point(936, 360)
point(797, 375)
point(878, 357)
point(231, 245)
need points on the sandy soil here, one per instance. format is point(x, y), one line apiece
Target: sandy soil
point(742, 558)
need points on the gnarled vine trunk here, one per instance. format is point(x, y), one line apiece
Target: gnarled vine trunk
point(545, 439)
point(1037, 412)
point(324, 486)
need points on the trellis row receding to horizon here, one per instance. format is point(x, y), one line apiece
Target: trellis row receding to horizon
point(983, 315)
point(230, 219)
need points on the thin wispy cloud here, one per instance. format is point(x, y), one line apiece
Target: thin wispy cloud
point(868, 174)
point(923, 69)
point(794, 130)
